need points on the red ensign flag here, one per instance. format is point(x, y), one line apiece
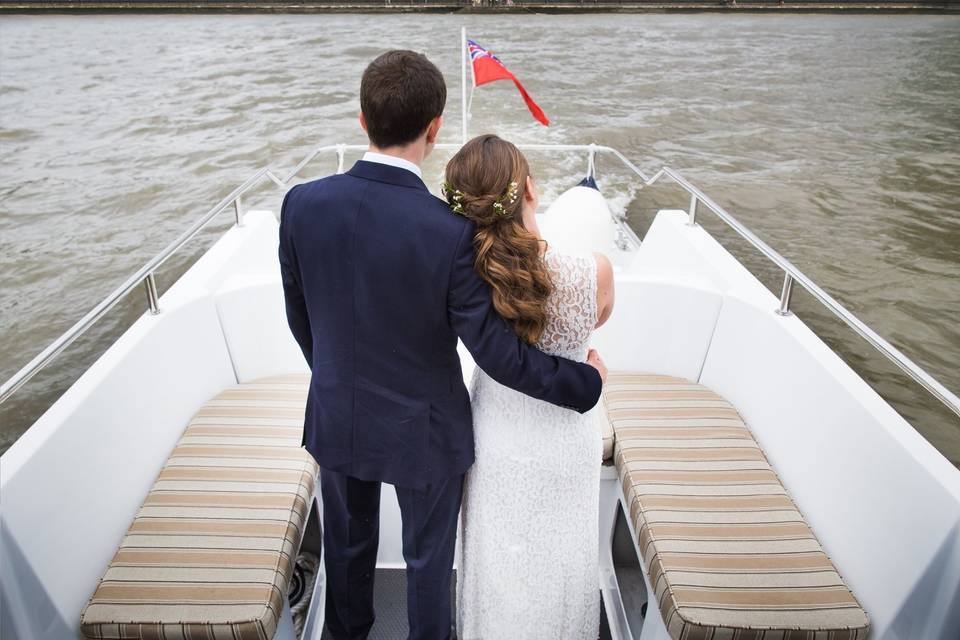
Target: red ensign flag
point(488, 68)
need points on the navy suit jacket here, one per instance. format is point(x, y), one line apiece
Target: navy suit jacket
point(379, 281)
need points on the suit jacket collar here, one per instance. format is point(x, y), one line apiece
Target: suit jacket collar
point(386, 173)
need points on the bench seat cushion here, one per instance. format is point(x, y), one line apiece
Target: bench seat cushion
point(210, 552)
point(728, 553)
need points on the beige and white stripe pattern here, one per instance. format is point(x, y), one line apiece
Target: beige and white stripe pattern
point(729, 554)
point(211, 550)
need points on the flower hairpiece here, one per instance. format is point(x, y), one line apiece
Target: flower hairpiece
point(454, 197)
point(510, 197)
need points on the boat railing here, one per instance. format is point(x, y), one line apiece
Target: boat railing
point(234, 202)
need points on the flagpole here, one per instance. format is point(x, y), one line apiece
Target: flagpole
point(463, 82)
point(473, 85)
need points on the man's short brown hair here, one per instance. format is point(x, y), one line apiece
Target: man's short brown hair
point(400, 93)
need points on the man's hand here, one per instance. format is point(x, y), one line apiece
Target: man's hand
point(595, 361)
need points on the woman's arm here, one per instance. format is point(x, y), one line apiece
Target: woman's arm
point(604, 288)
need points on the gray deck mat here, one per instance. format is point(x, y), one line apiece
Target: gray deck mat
point(390, 605)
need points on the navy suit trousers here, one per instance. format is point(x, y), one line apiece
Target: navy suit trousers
point(351, 517)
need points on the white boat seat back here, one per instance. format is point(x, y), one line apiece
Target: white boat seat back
point(659, 325)
point(254, 321)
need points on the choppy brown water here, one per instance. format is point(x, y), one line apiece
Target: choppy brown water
point(836, 138)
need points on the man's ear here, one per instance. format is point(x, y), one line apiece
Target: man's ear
point(433, 129)
point(363, 122)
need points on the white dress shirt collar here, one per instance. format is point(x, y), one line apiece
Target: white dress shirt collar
point(393, 161)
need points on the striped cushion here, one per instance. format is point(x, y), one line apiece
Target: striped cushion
point(210, 552)
point(728, 553)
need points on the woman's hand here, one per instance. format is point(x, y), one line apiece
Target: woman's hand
point(595, 361)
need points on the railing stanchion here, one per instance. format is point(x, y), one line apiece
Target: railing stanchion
point(785, 295)
point(238, 210)
point(693, 211)
point(150, 284)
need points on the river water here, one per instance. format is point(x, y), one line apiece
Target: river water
point(836, 138)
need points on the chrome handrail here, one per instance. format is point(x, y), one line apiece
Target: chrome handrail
point(791, 273)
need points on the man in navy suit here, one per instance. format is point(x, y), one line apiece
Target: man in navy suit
point(379, 281)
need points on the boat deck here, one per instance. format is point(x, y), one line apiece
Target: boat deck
point(390, 603)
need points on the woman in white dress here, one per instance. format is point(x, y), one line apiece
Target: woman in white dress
point(528, 563)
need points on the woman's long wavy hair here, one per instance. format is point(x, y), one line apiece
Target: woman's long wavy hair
point(508, 256)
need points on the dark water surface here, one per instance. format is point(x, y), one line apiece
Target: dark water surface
point(836, 138)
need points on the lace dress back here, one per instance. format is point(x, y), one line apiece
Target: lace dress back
point(572, 307)
point(528, 560)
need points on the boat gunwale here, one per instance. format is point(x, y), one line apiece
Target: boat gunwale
point(792, 274)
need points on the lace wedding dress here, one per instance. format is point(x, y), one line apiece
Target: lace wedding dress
point(528, 566)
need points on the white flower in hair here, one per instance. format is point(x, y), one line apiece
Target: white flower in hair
point(510, 196)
